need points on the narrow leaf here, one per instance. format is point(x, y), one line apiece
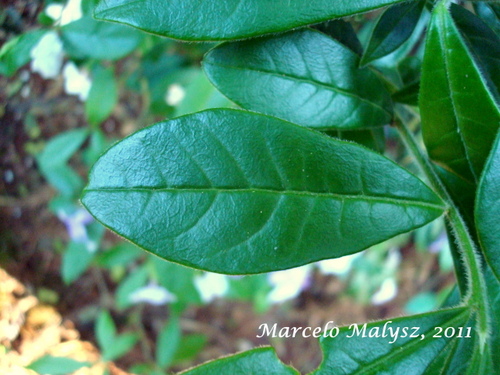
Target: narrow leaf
point(405, 345)
point(490, 13)
point(253, 362)
point(236, 192)
point(16, 52)
point(304, 77)
point(232, 19)
point(168, 342)
point(105, 330)
point(483, 44)
point(393, 28)
point(487, 212)
point(75, 261)
point(459, 115)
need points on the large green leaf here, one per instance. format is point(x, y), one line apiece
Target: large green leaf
point(304, 77)
point(88, 38)
point(460, 117)
point(235, 192)
point(388, 347)
point(253, 362)
point(483, 44)
point(228, 19)
point(487, 211)
point(393, 28)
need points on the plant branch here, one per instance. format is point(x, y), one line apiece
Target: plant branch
point(476, 292)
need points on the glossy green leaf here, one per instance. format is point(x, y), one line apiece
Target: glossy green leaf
point(304, 77)
point(236, 192)
point(487, 212)
point(230, 19)
point(50, 365)
point(404, 345)
point(88, 38)
point(103, 96)
point(460, 117)
point(490, 13)
point(16, 52)
point(393, 28)
point(253, 362)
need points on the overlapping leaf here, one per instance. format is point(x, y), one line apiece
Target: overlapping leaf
point(229, 19)
point(235, 192)
point(487, 211)
point(253, 362)
point(460, 117)
point(304, 77)
point(393, 28)
point(407, 345)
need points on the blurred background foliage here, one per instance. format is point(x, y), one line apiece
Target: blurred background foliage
point(70, 87)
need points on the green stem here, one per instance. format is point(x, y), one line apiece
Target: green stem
point(476, 292)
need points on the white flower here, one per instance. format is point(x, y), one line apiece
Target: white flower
point(152, 294)
point(289, 283)
point(63, 15)
point(76, 226)
point(175, 94)
point(76, 82)
point(386, 292)
point(211, 285)
point(339, 266)
point(47, 56)
point(54, 11)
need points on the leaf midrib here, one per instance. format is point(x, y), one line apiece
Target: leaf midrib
point(304, 80)
point(376, 199)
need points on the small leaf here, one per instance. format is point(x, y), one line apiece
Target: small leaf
point(237, 192)
point(235, 19)
point(88, 38)
point(103, 96)
point(393, 28)
point(135, 280)
point(168, 342)
point(200, 94)
point(121, 345)
point(252, 362)
point(396, 346)
point(487, 212)
point(105, 330)
point(189, 347)
point(16, 52)
point(49, 365)
point(75, 261)
point(460, 117)
point(304, 77)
